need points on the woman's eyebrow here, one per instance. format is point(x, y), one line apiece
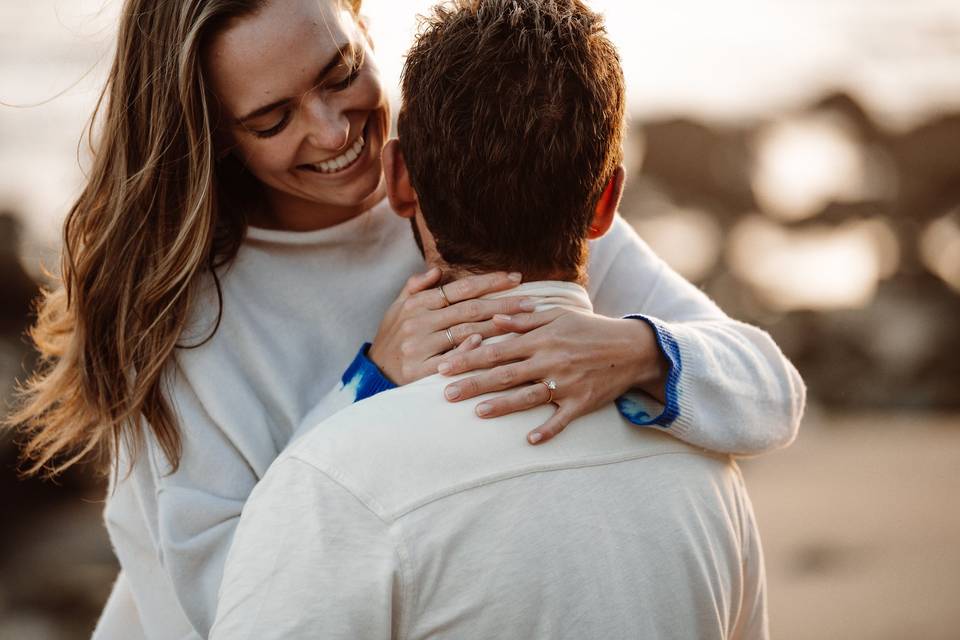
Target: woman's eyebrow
point(344, 52)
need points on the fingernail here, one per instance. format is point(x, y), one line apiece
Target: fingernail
point(502, 317)
point(515, 277)
point(528, 305)
point(444, 368)
point(452, 393)
point(535, 437)
point(484, 409)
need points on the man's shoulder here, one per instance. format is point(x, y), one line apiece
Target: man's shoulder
point(380, 449)
point(408, 447)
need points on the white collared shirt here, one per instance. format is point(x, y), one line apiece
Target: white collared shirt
point(405, 516)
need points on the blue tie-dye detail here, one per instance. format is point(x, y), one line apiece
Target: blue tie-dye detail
point(631, 409)
point(364, 378)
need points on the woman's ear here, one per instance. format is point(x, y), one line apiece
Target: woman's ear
point(607, 206)
point(400, 193)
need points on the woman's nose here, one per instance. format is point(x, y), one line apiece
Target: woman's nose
point(329, 127)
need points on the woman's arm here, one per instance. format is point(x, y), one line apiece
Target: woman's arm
point(730, 387)
point(725, 385)
point(172, 530)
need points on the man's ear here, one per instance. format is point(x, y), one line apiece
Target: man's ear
point(607, 206)
point(403, 199)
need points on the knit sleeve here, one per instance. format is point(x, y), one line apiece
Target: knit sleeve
point(730, 389)
point(361, 380)
point(171, 527)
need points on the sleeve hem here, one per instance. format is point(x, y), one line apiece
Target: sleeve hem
point(364, 377)
point(671, 412)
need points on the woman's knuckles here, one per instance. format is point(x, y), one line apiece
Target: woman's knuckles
point(408, 348)
point(507, 376)
point(470, 387)
point(491, 354)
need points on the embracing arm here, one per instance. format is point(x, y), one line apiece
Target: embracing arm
point(729, 387)
point(655, 344)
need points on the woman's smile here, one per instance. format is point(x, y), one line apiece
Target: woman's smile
point(355, 160)
point(308, 122)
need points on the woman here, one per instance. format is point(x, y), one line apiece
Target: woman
point(232, 249)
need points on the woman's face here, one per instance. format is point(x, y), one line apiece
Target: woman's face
point(304, 108)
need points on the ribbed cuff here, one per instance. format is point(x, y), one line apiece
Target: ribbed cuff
point(364, 377)
point(633, 410)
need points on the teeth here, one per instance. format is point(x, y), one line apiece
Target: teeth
point(338, 163)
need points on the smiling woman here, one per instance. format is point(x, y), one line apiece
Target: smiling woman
point(231, 251)
point(307, 122)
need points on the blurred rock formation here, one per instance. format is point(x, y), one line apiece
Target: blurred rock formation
point(900, 350)
point(50, 528)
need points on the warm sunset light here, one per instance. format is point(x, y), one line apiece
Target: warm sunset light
point(816, 268)
point(778, 292)
point(940, 249)
point(688, 239)
point(803, 164)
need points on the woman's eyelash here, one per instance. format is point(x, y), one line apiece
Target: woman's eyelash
point(339, 86)
point(346, 82)
point(275, 129)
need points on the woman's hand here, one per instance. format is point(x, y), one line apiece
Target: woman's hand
point(423, 323)
point(593, 360)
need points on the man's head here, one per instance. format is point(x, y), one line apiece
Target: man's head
point(510, 136)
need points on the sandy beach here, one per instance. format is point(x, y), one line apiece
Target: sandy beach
point(861, 521)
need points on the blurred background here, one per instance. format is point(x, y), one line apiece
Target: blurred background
point(799, 160)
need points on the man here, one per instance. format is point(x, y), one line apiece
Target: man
point(405, 516)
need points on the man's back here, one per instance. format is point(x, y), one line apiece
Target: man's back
point(406, 516)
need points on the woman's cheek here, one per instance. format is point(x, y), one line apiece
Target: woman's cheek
point(264, 159)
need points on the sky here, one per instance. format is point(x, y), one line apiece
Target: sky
point(722, 61)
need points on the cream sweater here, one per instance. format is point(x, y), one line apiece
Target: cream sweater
point(406, 516)
point(296, 307)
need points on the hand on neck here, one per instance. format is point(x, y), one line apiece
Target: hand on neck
point(451, 273)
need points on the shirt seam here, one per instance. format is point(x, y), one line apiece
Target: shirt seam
point(338, 477)
point(393, 531)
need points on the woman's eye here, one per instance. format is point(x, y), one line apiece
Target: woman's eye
point(346, 82)
point(275, 129)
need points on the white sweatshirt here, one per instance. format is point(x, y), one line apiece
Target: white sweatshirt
point(296, 307)
point(406, 516)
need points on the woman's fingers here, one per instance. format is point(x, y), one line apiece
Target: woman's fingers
point(478, 311)
point(503, 377)
point(467, 288)
point(442, 343)
point(526, 322)
point(486, 357)
point(480, 285)
point(472, 342)
point(420, 282)
point(468, 344)
point(564, 415)
point(532, 395)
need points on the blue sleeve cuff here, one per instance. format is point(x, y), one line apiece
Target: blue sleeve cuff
point(364, 377)
point(635, 411)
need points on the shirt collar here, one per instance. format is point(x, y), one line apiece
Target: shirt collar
point(549, 294)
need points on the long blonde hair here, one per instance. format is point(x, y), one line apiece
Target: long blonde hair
point(157, 212)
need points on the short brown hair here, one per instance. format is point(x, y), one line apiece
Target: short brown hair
point(511, 127)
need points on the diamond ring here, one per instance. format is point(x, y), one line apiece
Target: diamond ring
point(551, 386)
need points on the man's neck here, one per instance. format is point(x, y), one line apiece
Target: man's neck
point(454, 272)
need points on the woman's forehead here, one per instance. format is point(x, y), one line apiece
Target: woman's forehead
point(273, 52)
